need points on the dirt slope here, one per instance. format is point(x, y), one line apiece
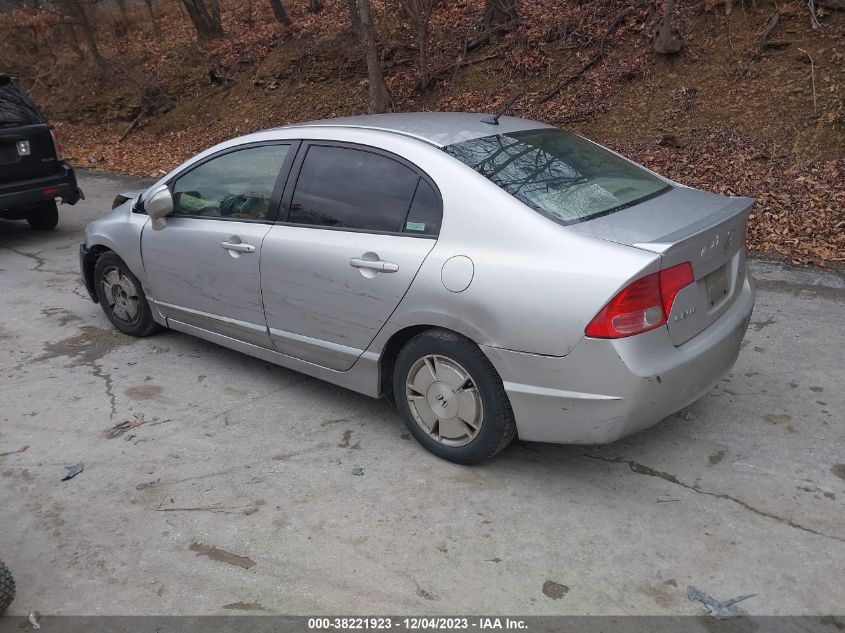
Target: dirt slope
point(725, 114)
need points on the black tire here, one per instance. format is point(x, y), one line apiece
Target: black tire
point(140, 324)
point(497, 426)
point(7, 588)
point(43, 217)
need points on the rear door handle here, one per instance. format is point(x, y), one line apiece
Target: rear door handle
point(377, 265)
point(238, 248)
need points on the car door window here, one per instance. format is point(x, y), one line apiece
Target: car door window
point(354, 189)
point(237, 185)
point(424, 214)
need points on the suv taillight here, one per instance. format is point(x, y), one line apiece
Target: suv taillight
point(642, 305)
point(57, 145)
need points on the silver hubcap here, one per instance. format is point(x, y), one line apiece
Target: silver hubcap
point(444, 400)
point(121, 295)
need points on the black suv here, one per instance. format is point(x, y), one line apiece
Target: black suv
point(32, 172)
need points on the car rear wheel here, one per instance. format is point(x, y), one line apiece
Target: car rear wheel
point(44, 217)
point(451, 398)
point(122, 298)
point(7, 588)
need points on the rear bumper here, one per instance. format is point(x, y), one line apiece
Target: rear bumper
point(607, 389)
point(15, 196)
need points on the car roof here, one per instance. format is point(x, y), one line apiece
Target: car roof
point(436, 128)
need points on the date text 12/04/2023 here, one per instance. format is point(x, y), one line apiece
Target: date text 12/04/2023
point(415, 623)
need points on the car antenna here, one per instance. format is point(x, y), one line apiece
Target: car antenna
point(494, 120)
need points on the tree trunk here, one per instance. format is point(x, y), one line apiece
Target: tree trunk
point(151, 12)
point(216, 18)
point(314, 6)
point(280, 12)
point(72, 39)
point(422, 58)
point(88, 31)
point(419, 12)
point(78, 14)
point(499, 16)
point(204, 23)
point(375, 73)
point(355, 18)
point(667, 41)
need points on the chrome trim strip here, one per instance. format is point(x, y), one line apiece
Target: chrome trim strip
point(555, 393)
point(251, 333)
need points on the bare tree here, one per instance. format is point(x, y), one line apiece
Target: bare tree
point(152, 14)
point(499, 16)
point(355, 18)
point(377, 90)
point(216, 18)
point(280, 12)
point(207, 23)
point(667, 39)
point(78, 13)
point(419, 11)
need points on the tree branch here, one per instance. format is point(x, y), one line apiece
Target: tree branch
point(593, 60)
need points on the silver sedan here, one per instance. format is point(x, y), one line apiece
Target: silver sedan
point(492, 277)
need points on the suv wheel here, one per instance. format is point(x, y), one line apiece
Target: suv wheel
point(122, 298)
point(44, 217)
point(451, 398)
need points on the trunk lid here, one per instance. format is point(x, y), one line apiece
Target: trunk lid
point(26, 152)
point(687, 225)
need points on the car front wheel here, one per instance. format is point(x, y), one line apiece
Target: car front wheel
point(451, 398)
point(122, 298)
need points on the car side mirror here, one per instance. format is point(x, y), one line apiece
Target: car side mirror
point(159, 204)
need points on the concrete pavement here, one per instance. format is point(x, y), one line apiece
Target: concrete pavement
point(216, 483)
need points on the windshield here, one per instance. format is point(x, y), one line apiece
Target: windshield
point(561, 175)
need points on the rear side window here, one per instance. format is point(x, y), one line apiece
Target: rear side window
point(355, 189)
point(235, 186)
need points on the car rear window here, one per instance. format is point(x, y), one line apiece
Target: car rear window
point(16, 109)
point(561, 175)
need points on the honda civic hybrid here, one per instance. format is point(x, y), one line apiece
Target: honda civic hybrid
point(492, 277)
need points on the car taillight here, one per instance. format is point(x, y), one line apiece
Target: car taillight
point(57, 145)
point(642, 305)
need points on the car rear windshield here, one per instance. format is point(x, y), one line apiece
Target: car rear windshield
point(16, 109)
point(561, 175)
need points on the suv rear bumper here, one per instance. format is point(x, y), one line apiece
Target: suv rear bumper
point(17, 197)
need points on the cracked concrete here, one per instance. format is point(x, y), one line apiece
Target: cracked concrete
point(645, 470)
point(741, 494)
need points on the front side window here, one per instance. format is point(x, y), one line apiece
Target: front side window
point(354, 189)
point(237, 185)
point(561, 175)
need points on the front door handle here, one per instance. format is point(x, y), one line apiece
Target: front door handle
point(238, 248)
point(378, 265)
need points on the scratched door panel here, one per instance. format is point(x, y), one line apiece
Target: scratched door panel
point(319, 307)
point(195, 280)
